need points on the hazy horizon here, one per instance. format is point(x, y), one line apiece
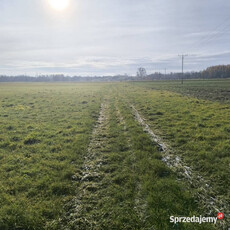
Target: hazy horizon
point(109, 38)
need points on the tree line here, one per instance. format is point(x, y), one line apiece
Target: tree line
point(220, 71)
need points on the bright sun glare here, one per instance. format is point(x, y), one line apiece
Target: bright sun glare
point(59, 4)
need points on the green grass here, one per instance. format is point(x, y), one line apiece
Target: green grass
point(45, 130)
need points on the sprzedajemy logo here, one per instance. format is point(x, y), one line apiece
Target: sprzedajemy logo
point(196, 219)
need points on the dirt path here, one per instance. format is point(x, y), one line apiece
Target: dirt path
point(206, 196)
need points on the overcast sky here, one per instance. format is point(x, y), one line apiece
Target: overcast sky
point(107, 37)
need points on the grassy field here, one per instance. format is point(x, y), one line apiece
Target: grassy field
point(90, 155)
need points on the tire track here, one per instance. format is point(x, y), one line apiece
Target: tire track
point(207, 198)
point(90, 177)
point(94, 190)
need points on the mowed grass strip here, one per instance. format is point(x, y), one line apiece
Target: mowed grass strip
point(44, 132)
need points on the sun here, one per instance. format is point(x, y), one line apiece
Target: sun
point(59, 4)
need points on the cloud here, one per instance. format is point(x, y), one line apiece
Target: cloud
point(111, 37)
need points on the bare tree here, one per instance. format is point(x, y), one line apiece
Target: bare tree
point(141, 72)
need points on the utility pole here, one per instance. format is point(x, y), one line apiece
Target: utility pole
point(182, 73)
point(165, 72)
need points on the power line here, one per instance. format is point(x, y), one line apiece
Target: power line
point(217, 33)
point(204, 43)
point(214, 33)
